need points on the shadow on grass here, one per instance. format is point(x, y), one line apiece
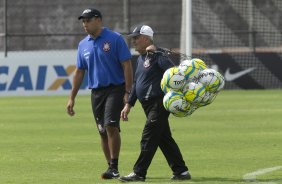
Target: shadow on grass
point(217, 179)
point(195, 180)
point(210, 180)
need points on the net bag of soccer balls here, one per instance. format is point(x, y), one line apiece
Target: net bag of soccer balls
point(189, 86)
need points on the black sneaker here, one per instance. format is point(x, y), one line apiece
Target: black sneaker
point(131, 177)
point(183, 176)
point(110, 174)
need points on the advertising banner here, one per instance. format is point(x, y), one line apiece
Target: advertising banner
point(38, 73)
point(50, 72)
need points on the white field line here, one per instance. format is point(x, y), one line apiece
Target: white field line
point(251, 177)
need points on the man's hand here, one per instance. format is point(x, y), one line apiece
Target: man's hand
point(70, 106)
point(151, 48)
point(125, 111)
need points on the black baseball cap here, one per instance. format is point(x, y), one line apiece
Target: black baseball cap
point(142, 30)
point(89, 13)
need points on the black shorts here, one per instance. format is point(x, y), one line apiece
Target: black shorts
point(107, 103)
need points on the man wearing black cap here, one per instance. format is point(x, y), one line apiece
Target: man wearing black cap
point(146, 88)
point(106, 58)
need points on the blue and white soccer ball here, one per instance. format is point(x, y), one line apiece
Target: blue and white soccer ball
point(211, 79)
point(192, 108)
point(207, 99)
point(173, 79)
point(194, 92)
point(190, 86)
point(222, 82)
point(191, 68)
point(164, 86)
point(175, 103)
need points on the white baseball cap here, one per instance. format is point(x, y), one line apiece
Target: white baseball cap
point(142, 30)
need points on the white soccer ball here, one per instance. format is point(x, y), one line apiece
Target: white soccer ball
point(191, 110)
point(164, 86)
point(191, 68)
point(222, 82)
point(194, 92)
point(180, 114)
point(211, 79)
point(207, 99)
point(173, 79)
point(175, 102)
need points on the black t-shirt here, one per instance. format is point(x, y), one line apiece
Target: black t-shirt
point(147, 78)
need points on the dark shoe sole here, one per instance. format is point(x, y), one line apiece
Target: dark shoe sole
point(109, 177)
point(180, 179)
point(124, 180)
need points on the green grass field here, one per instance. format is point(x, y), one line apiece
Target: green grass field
point(239, 133)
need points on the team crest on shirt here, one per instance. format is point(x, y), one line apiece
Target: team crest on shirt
point(106, 46)
point(146, 63)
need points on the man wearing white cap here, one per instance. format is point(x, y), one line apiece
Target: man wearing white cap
point(146, 88)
